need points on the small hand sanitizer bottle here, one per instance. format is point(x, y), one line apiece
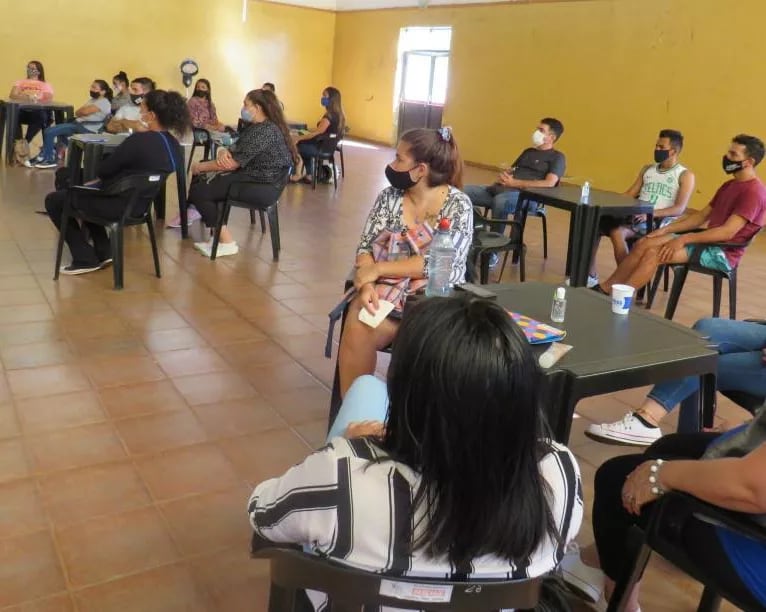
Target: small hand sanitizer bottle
point(585, 192)
point(559, 307)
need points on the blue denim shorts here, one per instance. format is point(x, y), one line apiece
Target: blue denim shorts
point(712, 257)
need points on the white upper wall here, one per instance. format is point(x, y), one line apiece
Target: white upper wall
point(361, 5)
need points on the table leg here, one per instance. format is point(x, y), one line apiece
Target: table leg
point(573, 219)
point(522, 209)
point(182, 205)
point(11, 126)
point(160, 201)
point(561, 397)
point(74, 162)
point(2, 126)
point(707, 400)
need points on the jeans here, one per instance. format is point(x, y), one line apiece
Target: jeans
point(502, 204)
point(62, 131)
point(366, 400)
point(740, 368)
point(307, 151)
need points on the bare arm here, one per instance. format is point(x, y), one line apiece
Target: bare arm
point(550, 180)
point(87, 109)
point(685, 191)
point(321, 128)
point(693, 220)
point(635, 188)
point(737, 484)
point(123, 125)
point(723, 233)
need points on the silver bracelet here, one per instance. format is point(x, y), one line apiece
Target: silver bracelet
point(654, 477)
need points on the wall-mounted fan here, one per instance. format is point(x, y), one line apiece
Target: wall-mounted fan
point(189, 68)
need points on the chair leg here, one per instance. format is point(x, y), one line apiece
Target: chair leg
point(116, 236)
point(733, 294)
point(223, 210)
point(679, 278)
point(191, 157)
point(710, 601)
point(666, 280)
point(281, 599)
point(484, 268)
point(342, 164)
point(655, 284)
point(334, 174)
point(153, 240)
point(276, 244)
point(60, 248)
point(640, 552)
point(545, 237)
point(505, 261)
point(522, 264)
point(717, 291)
point(252, 216)
point(314, 174)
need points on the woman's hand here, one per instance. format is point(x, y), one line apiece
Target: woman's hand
point(668, 249)
point(225, 160)
point(368, 298)
point(365, 428)
point(637, 490)
point(365, 273)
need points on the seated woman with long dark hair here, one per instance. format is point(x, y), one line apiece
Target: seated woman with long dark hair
point(156, 150)
point(332, 122)
point(451, 472)
point(426, 177)
point(263, 154)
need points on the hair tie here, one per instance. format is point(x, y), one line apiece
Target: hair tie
point(445, 133)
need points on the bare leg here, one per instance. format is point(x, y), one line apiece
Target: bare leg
point(626, 269)
point(652, 411)
point(226, 235)
point(359, 346)
point(619, 237)
point(589, 556)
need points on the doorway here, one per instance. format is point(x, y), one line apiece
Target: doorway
point(422, 78)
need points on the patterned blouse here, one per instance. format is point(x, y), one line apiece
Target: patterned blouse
point(202, 115)
point(386, 213)
point(262, 152)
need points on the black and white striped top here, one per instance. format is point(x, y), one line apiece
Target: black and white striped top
point(342, 504)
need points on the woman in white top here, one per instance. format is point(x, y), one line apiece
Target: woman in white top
point(89, 118)
point(451, 474)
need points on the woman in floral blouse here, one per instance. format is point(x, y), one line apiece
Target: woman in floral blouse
point(202, 109)
point(425, 179)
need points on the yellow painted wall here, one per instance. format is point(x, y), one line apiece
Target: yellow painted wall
point(79, 41)
point(614, 71)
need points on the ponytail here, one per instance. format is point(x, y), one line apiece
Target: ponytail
point(438, 149)
point(105, 88)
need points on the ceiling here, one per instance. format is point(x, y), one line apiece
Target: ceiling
point(361, 5)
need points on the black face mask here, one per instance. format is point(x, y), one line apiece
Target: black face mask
point(661, 155)
point(400, 179)
point(136, 99)
point(198, 93)
point(730, 166)
point(94, 94)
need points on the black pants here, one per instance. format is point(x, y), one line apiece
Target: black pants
point(205, 196)
point(83, 253)
point(35, 120)
point(611, 521)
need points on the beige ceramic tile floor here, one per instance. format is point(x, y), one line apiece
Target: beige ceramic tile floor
point(134, 424)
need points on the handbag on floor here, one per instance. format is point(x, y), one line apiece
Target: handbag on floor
point(20, 151)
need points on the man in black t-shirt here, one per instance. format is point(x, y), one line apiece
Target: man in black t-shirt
point(537, 166)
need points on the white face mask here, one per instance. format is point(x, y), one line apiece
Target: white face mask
point(538, 138)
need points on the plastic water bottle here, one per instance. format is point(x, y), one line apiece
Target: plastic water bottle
point(559, 306)
point(585, 192)
point(442, 255)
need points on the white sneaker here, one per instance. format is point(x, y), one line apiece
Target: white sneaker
point(584, 581)
point(224, 248)
point(192, 215)
point(590, 283)
point(629, 430)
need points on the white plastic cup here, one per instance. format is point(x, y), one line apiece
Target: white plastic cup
point(622, 298)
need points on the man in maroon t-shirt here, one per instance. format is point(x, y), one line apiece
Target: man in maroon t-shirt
point(735, 214)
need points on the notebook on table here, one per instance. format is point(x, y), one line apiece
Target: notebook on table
point(536, 331)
